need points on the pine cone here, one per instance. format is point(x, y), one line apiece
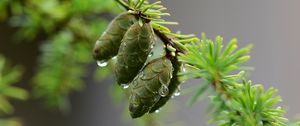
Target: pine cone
point(149, 86)
point(133, 53)
point(108, 44)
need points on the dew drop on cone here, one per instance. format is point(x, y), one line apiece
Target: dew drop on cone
point(102, 63)
point(163, 91)
point(124, 86)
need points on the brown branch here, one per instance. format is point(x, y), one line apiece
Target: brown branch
point(219, 88)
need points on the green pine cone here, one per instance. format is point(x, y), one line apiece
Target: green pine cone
point(149, 86)
point(172, 86)
point(133, 53)
point(108, 44)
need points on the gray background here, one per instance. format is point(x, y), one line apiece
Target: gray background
point(271, 25)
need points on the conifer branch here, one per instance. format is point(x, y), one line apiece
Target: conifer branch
point(236, 102)
point(242, 103)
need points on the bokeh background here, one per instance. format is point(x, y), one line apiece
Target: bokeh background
point(272, 26)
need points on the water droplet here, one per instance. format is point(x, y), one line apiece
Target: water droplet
point(177, 92)
point(102, 63)
point(115, 57)
point(157, 111)
point(152, 46)
point(151, 54)
point(173, 54)
point(183, 68)
point(124, 86)
point(163, 91)
point(141, 74)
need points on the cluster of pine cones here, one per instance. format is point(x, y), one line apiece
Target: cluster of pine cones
point(151, 84)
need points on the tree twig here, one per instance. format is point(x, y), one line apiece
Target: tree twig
point(164, 38)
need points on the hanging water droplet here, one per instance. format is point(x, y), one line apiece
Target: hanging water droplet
point(102, 63)
point(177, 92)
point(163, 91)
point(124, 86)
point(157, 111)
point(151, 54)
point(183, 69)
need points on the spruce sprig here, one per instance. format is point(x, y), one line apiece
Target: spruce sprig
point(235, 101)
point(9, 76)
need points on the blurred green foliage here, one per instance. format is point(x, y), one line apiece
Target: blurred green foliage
point(10, 122)
point(68, 29)
point(9, 76)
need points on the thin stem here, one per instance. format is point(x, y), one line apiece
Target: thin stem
point(164, 38)
point(218, 87)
